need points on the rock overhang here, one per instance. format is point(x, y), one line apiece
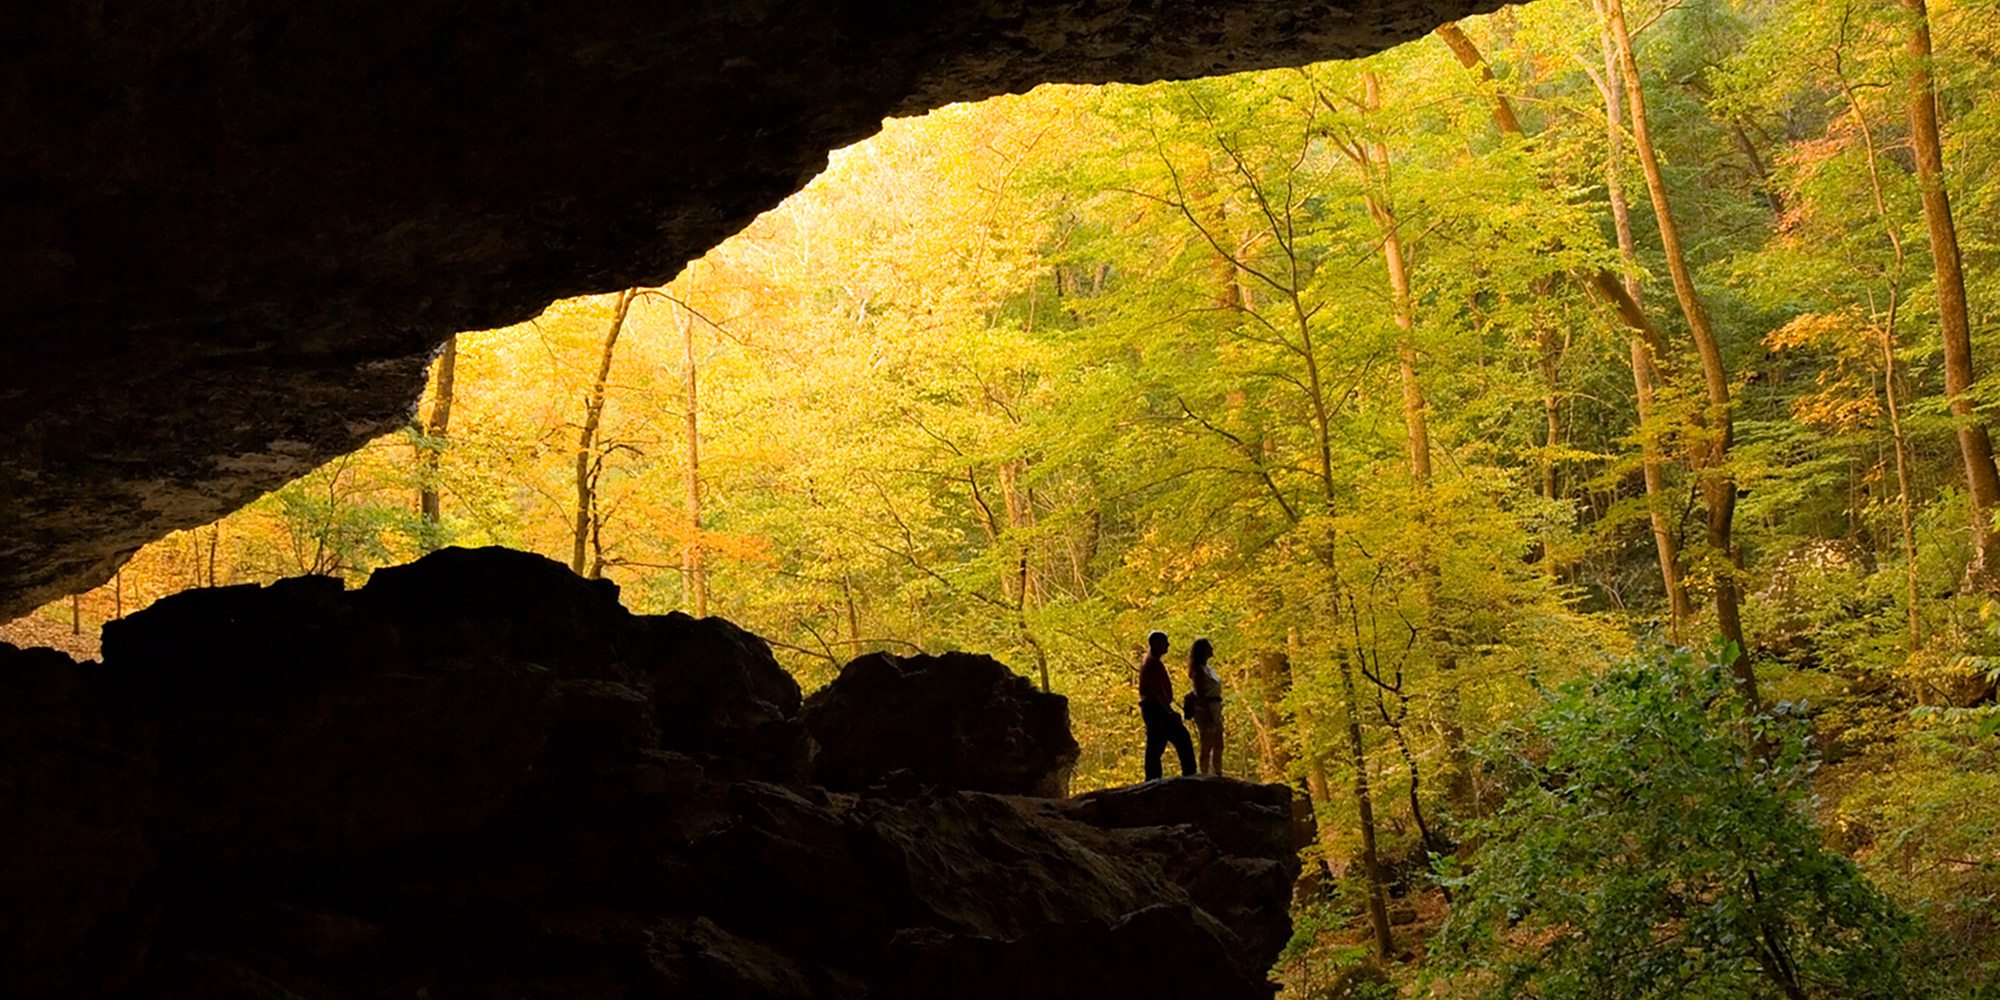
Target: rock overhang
point(237, 232)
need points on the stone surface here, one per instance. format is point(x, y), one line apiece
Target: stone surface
point(480, 776)
point(75, 804)
point(1231, 846)
point(235, 232)
point(958, 719)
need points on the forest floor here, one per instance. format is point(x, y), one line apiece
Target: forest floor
point(35, 630)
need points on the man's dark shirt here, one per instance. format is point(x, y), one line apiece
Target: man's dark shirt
point(1154, 684)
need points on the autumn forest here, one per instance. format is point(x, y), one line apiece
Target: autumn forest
point(1570, 428)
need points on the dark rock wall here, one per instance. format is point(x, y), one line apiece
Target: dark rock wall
point(479, 776)
point(235, 231)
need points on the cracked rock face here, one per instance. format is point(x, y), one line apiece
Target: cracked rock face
point(236, 231)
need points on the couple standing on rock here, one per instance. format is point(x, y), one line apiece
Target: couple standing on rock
point(1203, 707)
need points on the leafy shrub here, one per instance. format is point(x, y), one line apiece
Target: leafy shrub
point(1662, 847)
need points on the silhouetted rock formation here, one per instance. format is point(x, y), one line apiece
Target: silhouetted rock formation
point(958, 720)
point(480, 776)
point(235, 232)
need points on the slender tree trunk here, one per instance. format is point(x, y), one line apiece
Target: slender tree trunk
point(1891, 397)
point(1647, 346)
point(1040, 654)
point(1019, 503)
point(1757, 169)
point(1645, 343)
point(1549, 354)
point(1718, 486)
point(1416, 426)
point(1320, 788)
point(1372, 158)
point(1469, 57)
point(1312, 784)
point(693, 555)
point(1433, 844)
point(1974, 445)
point(1273, 684)
point(1903, 503)
point(76, 614)
point(1381, 207)
point(586, 442)
point(1364, 804)
point(853, 617)
point(430, 451)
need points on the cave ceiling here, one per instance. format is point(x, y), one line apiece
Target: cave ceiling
point(235, 232)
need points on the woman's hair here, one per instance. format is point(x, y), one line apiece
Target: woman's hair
point(1200, 651)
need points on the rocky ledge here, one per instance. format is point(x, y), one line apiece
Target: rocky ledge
point(481, 776)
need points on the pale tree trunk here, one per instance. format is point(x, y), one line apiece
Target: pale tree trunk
point(1416, 425)
point(1469, 57)
point(1019, 501)
point(1905, 508)
point(1718, 486)
point(1320, 789)
point(1417, 428)
point(1550, 347)
point(585, 528)
point(1273, 684)
point(853, 617)
point(430, 452)
point(1034, 644)
point(1974, 445)
point(694, 567)
point(1373, 159)
point(1646, 343)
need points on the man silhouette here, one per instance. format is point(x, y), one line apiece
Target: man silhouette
point(1156, 706)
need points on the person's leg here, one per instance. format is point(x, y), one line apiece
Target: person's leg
point(1183, 745)
point(1156, 739)
point(1211, 747)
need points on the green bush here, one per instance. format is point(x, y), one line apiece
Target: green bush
point(1661, 846)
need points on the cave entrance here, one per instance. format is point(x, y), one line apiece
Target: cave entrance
point(1243, 356)
point(1419, 385)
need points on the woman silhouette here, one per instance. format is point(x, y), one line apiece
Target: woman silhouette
point(1204, 706)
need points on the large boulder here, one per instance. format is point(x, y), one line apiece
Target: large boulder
point(958, 720)
point(1232, 846)
point(709, 688)
point(719, 691)
point(405, 790)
